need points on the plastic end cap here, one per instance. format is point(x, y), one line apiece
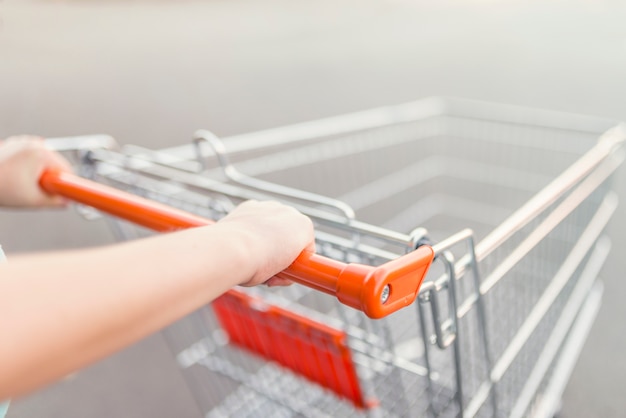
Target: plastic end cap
point(362, 287)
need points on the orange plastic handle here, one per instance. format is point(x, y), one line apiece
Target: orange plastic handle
point(377, 291)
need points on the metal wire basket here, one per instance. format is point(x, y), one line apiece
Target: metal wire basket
point(512, 203)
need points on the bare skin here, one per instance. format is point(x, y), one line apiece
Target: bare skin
point(62, 311)
point(22, 160)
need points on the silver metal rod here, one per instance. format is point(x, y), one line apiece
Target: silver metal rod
point(550, 402)
point(85, 142)
point(582, 247)
point(562, 327)
point(264, 186)
point(555, 217)
point(123, 162)
point(586, 164)
point(420, 110)
point(571, 263)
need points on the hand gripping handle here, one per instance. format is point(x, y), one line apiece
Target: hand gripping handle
point(377, 291)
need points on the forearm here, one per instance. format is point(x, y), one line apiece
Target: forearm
point(62, 311)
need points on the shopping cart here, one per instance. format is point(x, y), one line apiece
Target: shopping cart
point(505, 307)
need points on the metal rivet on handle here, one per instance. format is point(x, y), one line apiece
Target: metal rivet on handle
point(385, 295)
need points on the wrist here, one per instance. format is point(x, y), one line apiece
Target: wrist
point(241, 250)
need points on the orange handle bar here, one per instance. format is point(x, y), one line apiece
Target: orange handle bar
point(377, 291)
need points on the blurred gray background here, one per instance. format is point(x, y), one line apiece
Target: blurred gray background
point(152, 72)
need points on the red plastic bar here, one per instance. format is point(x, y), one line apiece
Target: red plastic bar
point(140, 211)
point(311, 349)
point(356, 285)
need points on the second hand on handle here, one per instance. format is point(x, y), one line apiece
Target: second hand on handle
point(377, 291)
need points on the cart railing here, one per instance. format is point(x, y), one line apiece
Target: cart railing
point(454, 296)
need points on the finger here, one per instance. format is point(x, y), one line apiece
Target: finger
point(57, 201)
point(45, 200)
point(277, 281)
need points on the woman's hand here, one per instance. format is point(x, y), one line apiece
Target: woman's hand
point(22, 160)
point(273, 235)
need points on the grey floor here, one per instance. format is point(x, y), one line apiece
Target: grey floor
point(151, 72)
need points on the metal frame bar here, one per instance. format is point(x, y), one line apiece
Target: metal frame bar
point(579, 180)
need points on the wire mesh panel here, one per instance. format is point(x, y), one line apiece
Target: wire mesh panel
point(514, 203)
